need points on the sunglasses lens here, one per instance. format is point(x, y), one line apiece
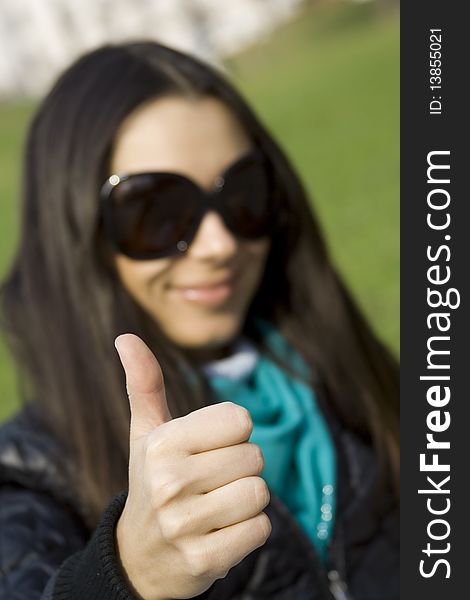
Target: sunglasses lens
point(248, 208)
point(151, 213)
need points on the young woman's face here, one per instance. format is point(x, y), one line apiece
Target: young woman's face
point(199, 298)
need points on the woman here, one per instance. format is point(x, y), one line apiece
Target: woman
point(266, 463)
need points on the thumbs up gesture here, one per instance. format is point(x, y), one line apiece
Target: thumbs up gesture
point(195, 502)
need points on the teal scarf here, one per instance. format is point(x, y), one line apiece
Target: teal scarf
point(300, 460)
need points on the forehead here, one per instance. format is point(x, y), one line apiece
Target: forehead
point(196, 137)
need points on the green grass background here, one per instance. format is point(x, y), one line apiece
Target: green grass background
point(327, 86)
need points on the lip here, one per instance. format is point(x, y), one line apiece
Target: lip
point(210, 294)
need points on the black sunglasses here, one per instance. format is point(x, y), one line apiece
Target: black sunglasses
point(154, 215)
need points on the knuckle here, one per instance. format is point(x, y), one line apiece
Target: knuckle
point(264, 525)
point(200, 562)
point(159, 443)
point(167, 485)
point(258, 458)
point(172, 526)
point(261, 492)
point(242, 415)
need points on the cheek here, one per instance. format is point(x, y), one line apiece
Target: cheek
point(138, 275)
point(256, 257)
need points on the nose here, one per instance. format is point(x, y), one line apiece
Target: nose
point(213, 241)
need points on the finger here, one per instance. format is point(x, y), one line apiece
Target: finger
point(145, 385)
point(224, 548)
point(215, 426)
point(215, 468)
point(232, 503)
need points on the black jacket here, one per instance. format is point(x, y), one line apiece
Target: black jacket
point(47, 553)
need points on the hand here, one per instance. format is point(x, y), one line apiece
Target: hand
point(194, 508)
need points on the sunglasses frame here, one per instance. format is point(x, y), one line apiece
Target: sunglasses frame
point(211, 202)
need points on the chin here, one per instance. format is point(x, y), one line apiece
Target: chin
point(207, 333)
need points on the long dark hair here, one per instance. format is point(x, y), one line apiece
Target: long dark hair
point(63, 304)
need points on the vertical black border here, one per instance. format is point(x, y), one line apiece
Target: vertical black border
point(422, 133)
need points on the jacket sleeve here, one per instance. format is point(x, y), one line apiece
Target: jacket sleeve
point(94, 572)
point(44, 553)
point(36, 535)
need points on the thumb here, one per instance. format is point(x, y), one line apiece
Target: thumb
point(145, 385)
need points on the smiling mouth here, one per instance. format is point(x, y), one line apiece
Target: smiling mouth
point(212, 294)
